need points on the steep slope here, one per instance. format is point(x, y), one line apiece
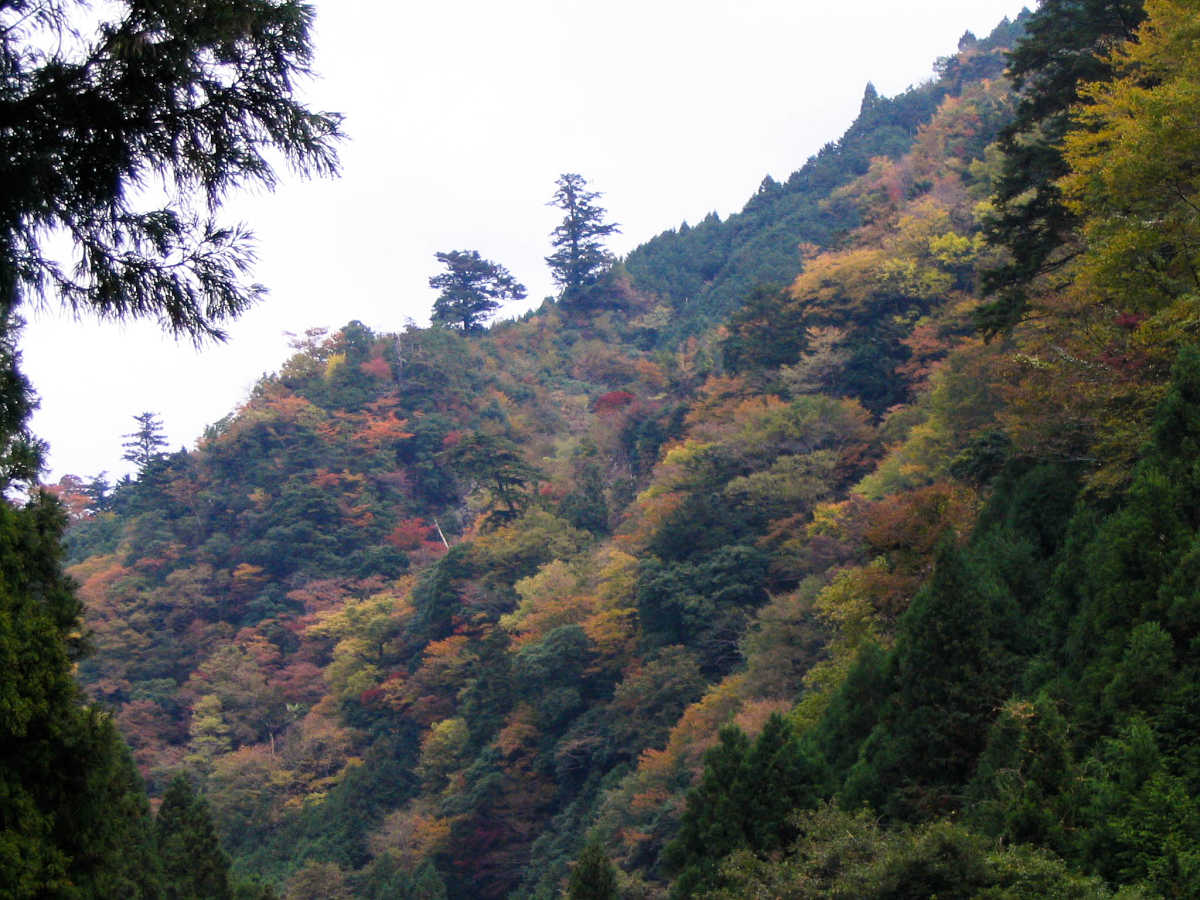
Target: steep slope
point(431, 609)
point(454, 585)
point(701, 273)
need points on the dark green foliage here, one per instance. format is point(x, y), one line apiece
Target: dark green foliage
point(200, 96)
point(488, 694)
point(586, 507)
point(767, 331)
point(253, 890)
point(844, 854)
point(579, 256)
point(552, 676)
point(745, 799)
point(650, 699)
point(334, 830)
point(553, 855)
point(1131, 569)
point(385, 880)
point(705, 271)
point(1027, 788)
point(705, 521)
point(472, 289)
point(433, 483)
point(1034, 503)
point(194, 865)
point(1062, 48)
point(905, 729)
point(496, 465)
point(1097, 765)
point(951, 672)
point(593, 876)
point(145, 443)
point(702, 604)
point(436, 596)
point(1142, 820)
point(874, 351)
point(20, 452)
point(73, 818)
point(197, 98)
point(854, 709)
point(644, 435)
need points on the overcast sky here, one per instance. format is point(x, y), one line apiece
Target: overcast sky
point(461, 114)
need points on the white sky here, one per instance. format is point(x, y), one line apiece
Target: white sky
point(461, 114)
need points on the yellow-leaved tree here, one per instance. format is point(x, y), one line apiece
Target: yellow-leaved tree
point(1135, 180)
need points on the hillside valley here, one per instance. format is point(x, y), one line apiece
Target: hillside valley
point(843, 547)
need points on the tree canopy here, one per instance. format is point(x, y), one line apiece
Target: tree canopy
point(574, 606)
point(122, 126)
point(1065, 46)
point(196, 98)
point(472, 289)
point(145, 443)
point(579, 255)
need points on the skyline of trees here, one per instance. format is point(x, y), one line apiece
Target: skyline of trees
point(472, 290)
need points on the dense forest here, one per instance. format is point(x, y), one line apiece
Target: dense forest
point(848, 546)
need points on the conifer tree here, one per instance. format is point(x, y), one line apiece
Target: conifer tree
point(498, 466)
point(145, 443)
point(579, 256)
point(194, 866)
point(951, 675)
point(472, 289)
point(72, 808)
point(593, 876)
point(197, 94)
point(745, 798)
point(97, 101)
point(1064, 47)
point(768, 330)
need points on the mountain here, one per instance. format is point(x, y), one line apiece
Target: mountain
point(752, 570)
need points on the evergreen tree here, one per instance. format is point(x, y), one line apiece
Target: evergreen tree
point(1064, 46)
point(194, 866)
point(472, 289)
point(745, 798)
point(768, 331)
point(951, 673)
point(385, 879)
point(99, 492)
point(593, 876)
point(870, 99)
point(197, 94)
point(579, 256)
point(145, 443)
point(498, 466)
point(194, 96)
point(73, 814)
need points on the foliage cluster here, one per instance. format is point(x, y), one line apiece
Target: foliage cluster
point(833, 599)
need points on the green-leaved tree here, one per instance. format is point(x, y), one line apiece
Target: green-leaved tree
point(472, 289)
point(194, 866)
point(145, 443)
point(579, 256)
point(97, 101)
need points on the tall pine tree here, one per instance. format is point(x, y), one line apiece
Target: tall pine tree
point(579, 256)
point(194, 866)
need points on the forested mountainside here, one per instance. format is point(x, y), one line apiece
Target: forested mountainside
point(865, 583)
point(702, 273)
